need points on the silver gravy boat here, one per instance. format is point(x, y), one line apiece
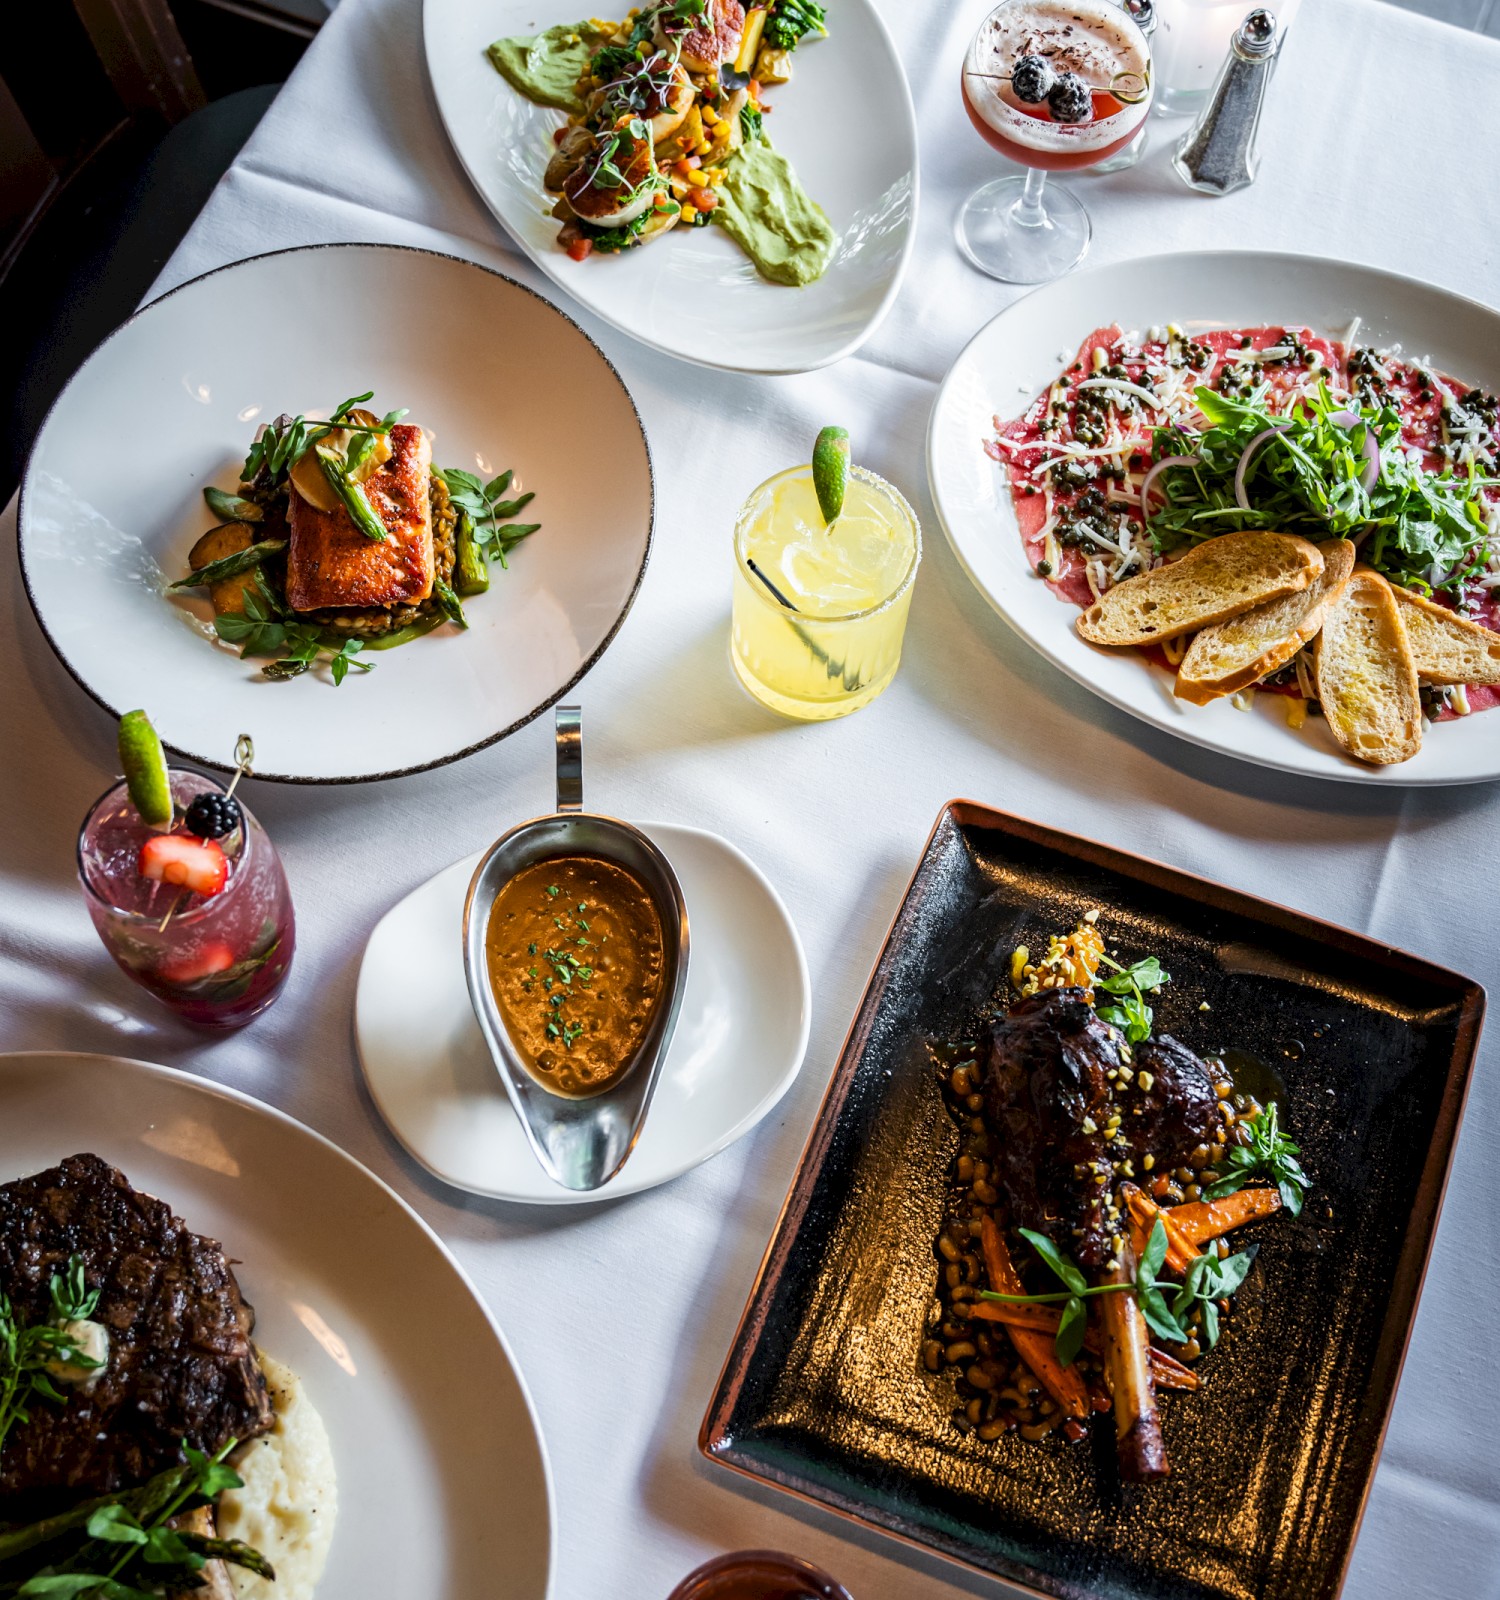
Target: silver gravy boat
point(581, 1141)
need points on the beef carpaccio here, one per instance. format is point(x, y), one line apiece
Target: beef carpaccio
point(1079, 458)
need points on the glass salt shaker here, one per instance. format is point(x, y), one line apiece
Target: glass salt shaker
point(1218, 155)
point(1144, 13)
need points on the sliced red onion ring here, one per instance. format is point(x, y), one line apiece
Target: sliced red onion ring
point(1241, 499)
point(1352, 419)
point(1160, 467)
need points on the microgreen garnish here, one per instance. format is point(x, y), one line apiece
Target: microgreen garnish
point(1132, 1016)
point(1269, 1154)
point(27, 1351)
point(489, 510)
point(1207, 1281)
point(281, 445)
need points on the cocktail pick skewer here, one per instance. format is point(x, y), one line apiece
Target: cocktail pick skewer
point(244, 756)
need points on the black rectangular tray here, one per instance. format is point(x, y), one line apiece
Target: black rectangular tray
point(824, 1393)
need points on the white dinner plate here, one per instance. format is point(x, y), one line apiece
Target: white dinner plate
point(443, 1485)
point(1014, 357)
point(112, 502)
point(740, 1037)
point(846, 123)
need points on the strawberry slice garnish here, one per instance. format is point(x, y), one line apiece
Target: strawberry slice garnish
point(179, 858)
point(213, 958)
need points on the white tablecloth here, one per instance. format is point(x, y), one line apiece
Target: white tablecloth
point(1379, 145)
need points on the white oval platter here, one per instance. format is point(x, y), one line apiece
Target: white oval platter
point(1016, 355)
point(845, 121)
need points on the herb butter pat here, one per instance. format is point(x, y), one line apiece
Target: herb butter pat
point(83, 1355)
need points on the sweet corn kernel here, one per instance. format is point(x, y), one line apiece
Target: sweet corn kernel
point(710, 116)
point(697, 179)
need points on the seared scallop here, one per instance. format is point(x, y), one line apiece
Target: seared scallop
point(593, 191)
point(675, 105)
point(711, 41)
point(568, 157)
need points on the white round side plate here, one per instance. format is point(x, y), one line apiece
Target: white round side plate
point(846, 123)
point(444, 1489)
point(112, 502)
point(1014, 357)
point(739, 1042)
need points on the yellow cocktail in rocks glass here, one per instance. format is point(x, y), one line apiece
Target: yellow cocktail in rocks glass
point(820, 608)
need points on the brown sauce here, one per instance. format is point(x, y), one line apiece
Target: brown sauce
point(575, 955)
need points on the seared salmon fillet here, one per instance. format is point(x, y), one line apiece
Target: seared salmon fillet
point(331, 563)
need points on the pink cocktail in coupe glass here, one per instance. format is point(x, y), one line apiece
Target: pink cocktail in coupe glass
point(215, 959)
point(1056, 85)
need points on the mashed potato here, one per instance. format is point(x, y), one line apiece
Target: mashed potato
point(289, 1504)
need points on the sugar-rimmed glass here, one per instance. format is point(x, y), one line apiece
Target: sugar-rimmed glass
point(815, 639)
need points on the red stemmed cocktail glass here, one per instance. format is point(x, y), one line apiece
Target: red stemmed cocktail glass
point(1055, 85)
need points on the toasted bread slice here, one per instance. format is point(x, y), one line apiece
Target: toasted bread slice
point(1232, 655)
point(1447, 648)
point(1219, 579)
point(1367, 680)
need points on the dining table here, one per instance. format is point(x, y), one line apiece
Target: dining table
point(1377, 146)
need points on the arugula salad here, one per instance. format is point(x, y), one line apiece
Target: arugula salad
point(343, 539)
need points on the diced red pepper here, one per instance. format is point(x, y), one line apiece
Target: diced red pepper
point(581, 249)
point(703, 199)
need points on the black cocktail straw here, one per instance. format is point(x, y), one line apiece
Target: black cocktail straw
point(834, 669)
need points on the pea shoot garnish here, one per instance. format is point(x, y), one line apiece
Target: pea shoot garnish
point(1269, 1154)
point(1133, 1017)
point(1206, 1281)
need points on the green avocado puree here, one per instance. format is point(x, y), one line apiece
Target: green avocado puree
point(768, 213)
point(547, 68)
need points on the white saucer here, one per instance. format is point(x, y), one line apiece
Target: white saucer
point(738, 1046)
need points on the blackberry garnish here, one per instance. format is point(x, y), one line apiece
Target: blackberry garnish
point(211, 816)
point(1070, 100)
point(1032, 78)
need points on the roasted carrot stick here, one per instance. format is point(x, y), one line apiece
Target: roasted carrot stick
point(1143, 1213)
point(1166, 1371)
point(1035, 1349)
point(1203, 1220)
point(1035, 1319)
point(1127, 1370)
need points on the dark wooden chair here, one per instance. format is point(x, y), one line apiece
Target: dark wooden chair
point(110, 144)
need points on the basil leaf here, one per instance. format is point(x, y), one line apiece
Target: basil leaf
point(1071, 1331)
point(1055, 1259)
point(1161, 1321)
point(1154, 1253)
